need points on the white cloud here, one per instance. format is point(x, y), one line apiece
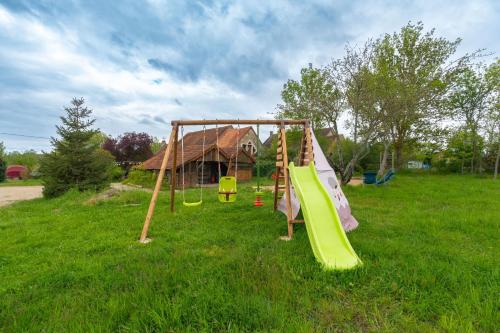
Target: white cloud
point(236, 57)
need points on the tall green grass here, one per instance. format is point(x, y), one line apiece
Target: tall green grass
point(429, 246)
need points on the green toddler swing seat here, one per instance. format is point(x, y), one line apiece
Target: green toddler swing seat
point(227, 189)
point(227, 184)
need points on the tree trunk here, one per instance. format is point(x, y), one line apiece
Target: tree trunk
point(474, 148)
point(480, 163)
point(349, 169)
point(383, 161)
point(339, 145)
point(355, 127)
point(472, 160)
point(398, 146)
point(495, 173)
point(346, 176)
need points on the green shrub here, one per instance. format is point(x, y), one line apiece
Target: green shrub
point(144, 178)
point(116, 173)
point(267, 167)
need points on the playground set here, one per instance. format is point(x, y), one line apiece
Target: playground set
point(311, 186)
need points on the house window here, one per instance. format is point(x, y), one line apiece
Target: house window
point(250, 147)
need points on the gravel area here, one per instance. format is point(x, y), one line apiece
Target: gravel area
point(10, 194)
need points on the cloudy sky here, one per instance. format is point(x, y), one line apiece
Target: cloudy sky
point(141, 64)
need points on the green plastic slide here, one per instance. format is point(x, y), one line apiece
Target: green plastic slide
point(326, 234)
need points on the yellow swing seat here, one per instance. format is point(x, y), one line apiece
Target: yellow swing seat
point(192, 204)
point(227, 189)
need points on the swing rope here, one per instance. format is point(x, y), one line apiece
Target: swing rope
point(218, 151)
point(202, 163)
point(183, 170)
point(236, 159)
point(227, 184)
point(182, 162)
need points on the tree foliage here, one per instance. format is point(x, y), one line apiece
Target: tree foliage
point(314, 97)
point(417, 69)
point(3, 165)
point(156, 145)
point(2, 150)
point(76, 161)
point(28, 158)
point(492, 125)
point(130, 147)
point(3, 168)
point(394, 91)
point(469, 104)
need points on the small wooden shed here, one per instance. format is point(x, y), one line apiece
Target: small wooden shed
point(17, 172)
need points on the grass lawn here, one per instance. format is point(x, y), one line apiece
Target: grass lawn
point(21, 182)
point(429, 246)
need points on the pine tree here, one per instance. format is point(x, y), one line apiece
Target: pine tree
point(76, 161)
point(3, 164)
point(3, 169)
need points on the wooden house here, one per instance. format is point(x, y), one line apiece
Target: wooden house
point(193, 153)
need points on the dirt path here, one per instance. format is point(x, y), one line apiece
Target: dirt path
point(10, 194)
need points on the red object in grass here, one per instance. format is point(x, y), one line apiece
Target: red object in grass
point(258, 201)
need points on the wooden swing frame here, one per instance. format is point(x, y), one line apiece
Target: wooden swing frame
point(305, 157)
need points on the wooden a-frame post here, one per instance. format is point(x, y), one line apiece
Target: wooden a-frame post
point(159, 180)
point(289, 218)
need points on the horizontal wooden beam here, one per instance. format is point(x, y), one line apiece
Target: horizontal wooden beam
point(303, 122)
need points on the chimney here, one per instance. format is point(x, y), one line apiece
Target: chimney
point(271, 133)
point(310, 65)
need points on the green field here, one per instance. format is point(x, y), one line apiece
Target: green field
point(429, 246)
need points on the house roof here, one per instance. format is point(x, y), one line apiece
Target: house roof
point(193, 146)
point(269, 140)
point(325, 131)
